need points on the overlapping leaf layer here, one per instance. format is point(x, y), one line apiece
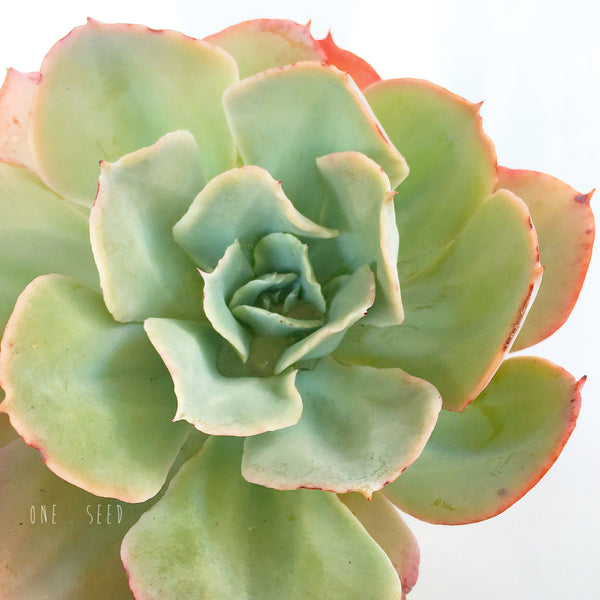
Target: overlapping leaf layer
point(325, 281)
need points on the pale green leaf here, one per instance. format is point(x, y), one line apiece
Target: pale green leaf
point(482, 460)
point(90, 393)
point(452, 165)
point(360, 428)
point(360, 205)
point(212, 402)
point(285, 118)
point(242, 204)
point(57, 540)
point(213, 535)
point(349, 305)
point(108, 90)
point(262, 44)
point(462, 314)
point(283, 253)
point(232, 272)
point(40, 233)
point(385, 525)
point(143, 272)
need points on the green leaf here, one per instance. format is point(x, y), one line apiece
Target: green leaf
point(262, 44)
point(283, 253)
point(213, 535)
point(361, 207)
point(564, 224)
point(285, 118)
point(360, 428)
point(482, 460)
point(452, 165)
point(40, 233)
point(462, 314)
point(57, 540)
point(108, 90)
point(213, 403)
point(349, 305)
point(16, 95)
point(272, 324)
point(242, 204)
point(385, 525)
point(248, 293)
point(232, 272)
point(88, 392)
point(143, 272)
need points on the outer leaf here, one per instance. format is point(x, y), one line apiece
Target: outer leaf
point(108, 90)
point(360, 70)
point(564, 224)
point(39, 233)
point(213, 403)
point(385, 525)
point(262, 44)
point(284, 119)
point(479, 462)
point(16, 95)
point(70, 555)
point(452, 165)
point(361, 207)
point(463, 313)
point(360, 428)
point(143, 272)
point(213, 535)
point(349, 305)
point(66, 366)
point(243, 204)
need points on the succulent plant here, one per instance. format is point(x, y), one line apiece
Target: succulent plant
point(278, 311)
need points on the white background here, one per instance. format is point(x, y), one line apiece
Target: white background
point(536, 63)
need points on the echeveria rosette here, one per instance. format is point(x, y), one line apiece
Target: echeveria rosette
point(263, 272)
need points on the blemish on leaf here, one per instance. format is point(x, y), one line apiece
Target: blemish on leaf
point(443, 504)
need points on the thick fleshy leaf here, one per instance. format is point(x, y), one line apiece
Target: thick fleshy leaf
point(272, 324)
point(143, 272)
point(213, 535)
point(452, 165)
point(232, 272)
point(57, 540)
point(564, 224)
point(242, 204)
point(39, 233)
point(66, 366)
point(262, 44)
point(16, 95)
point(481, 461)
point(108, 90)
point(359, 69)
point(360, 428)
point(349, 305)
point(285, 118)
point(385, 525)
point(213, 403)
point(361, 207)
point(464, 312)
point(283, 253)
point(249, 292)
